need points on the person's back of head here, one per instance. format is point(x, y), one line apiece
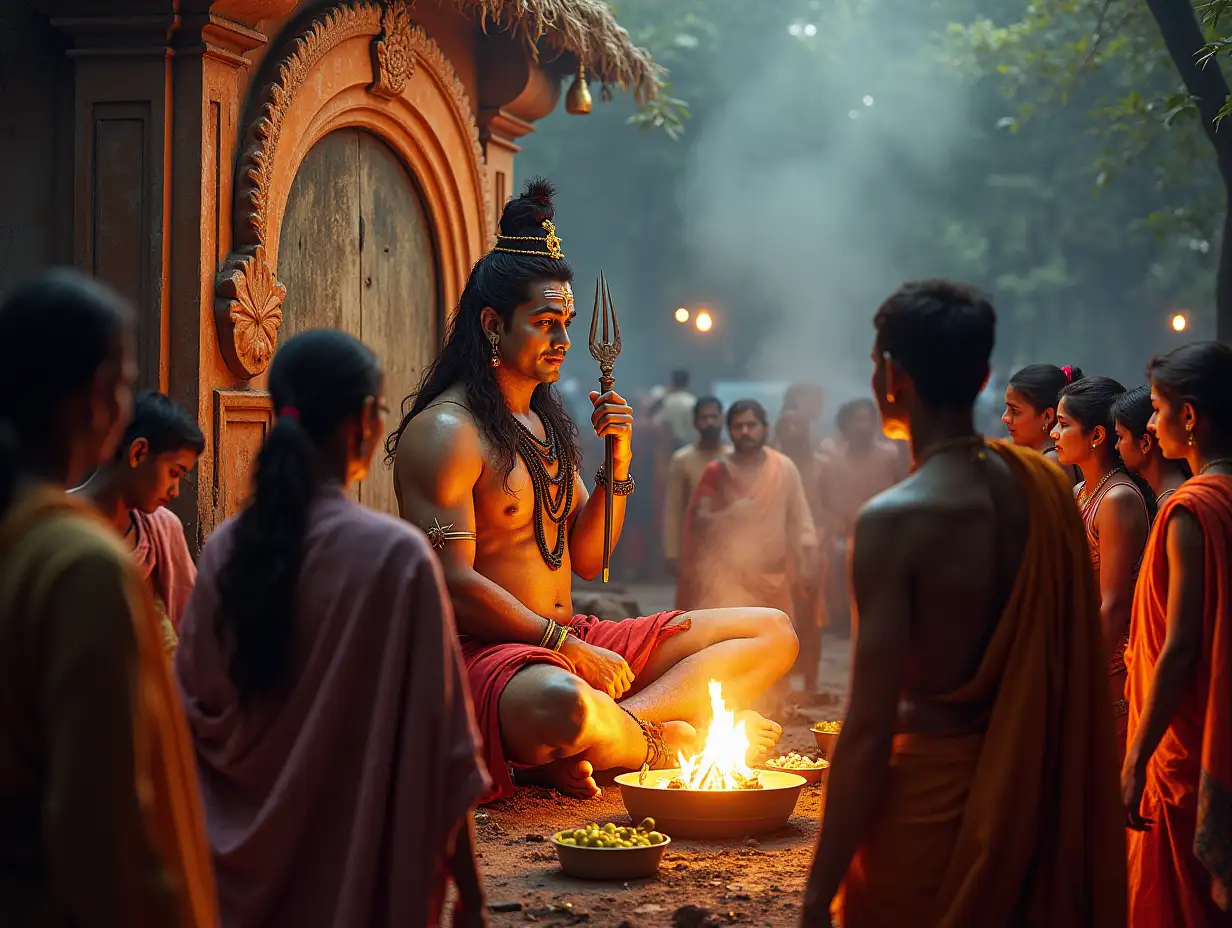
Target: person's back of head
point(66, 370)
point(680, 379)
point(326, 389)
point(160, 445)
point(934, 340)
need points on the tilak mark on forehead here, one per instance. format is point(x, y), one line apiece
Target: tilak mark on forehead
point(562, 296)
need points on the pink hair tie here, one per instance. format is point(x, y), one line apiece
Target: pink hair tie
point(290, 412)
point(1069, 373)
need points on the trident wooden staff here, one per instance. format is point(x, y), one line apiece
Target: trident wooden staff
point(606, 352)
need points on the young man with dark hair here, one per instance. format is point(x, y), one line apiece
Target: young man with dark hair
point(686, 469)
point(160, 446)
point(974, 782)
point(486, 461)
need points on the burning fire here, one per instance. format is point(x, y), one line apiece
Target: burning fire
point(721, 764)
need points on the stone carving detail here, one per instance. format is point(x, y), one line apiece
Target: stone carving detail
point(251, 297)
point(248, 296)
point(393, 59)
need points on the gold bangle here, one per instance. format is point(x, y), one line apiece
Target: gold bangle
point(563, 634)
point(548, 634)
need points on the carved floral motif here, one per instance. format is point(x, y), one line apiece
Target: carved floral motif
point(248, 304)
point(393, 58)
point(249, 309)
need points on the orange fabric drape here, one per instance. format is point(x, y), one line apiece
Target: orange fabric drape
point(1020, 824)
point(1180, 870)
point(165, 765)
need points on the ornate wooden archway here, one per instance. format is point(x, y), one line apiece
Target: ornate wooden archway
point(357, 63)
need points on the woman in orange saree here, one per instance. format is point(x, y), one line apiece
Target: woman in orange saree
point(1177, 778)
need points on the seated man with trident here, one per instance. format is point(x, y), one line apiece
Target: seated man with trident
point(486, 462)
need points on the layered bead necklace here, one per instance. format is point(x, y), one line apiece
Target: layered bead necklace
point(553, 496)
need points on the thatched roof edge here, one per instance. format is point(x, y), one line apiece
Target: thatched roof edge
point(583, 28)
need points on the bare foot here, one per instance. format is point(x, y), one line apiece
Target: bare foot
point(680, 738)
point(572, 776)
point(763, 735)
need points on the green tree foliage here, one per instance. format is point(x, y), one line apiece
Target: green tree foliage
point(1079, 187)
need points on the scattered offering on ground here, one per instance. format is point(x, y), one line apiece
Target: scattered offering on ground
point(828, 728)
point(796, 761)
point(606, 837)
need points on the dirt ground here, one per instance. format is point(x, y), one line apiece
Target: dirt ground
point(753, 881)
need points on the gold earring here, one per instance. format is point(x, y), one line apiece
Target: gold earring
point(1189, 432)
point(495, 354)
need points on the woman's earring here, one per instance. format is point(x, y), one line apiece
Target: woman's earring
point(495, 354)
point(1189, 431)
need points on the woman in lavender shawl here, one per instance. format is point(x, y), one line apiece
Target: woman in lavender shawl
point(338, 756)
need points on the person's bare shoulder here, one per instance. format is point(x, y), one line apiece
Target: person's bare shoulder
point(439, 447)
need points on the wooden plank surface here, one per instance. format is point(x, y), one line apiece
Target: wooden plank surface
point(399, 293)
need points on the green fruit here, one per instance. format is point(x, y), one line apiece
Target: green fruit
point(570, 841)
point(648, 824)
point(609, 828)
point(579, 834)
point(656, 838)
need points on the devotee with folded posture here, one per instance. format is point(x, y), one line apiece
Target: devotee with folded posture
point(160, 446)
point(852, 470)
point(338, 756)
point(974, 779)
point(100, 821)
point(1177, 779)
point(748, 532)
point(1116, 510)
point(486, 461)
point(1031, 398)
point(686, 469)
point(1139, 449)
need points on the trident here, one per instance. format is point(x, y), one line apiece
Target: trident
point(605, 352)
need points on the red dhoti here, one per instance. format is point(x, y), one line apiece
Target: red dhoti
point(490, 667)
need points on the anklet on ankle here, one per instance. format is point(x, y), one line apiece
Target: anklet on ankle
point(656, 747)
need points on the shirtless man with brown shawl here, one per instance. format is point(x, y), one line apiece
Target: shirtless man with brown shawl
point(486, 462)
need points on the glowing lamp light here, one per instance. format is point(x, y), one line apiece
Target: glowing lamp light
point(703, 322)
point(1179, 323)
point(682, 315)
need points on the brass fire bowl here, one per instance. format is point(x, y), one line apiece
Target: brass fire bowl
point(704, 813)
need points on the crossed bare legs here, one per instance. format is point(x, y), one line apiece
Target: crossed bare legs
point(555, 723)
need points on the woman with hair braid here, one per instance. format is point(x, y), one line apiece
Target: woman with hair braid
point(486, 461)
point(337, 752)
point(1116, 510)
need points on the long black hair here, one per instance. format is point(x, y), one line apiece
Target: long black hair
point(502, 281)
point(1133, 410)
point(56, 330)
point(1200, 374)
point(1089, 402)
point(1041, 384)
point(318, 380)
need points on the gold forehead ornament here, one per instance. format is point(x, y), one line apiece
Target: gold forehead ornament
point(551, 243)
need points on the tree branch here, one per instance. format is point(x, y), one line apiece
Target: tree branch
point(1182, 34)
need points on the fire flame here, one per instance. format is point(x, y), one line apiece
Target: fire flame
point(721, 764)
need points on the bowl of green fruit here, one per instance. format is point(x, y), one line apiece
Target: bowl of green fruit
point(610, 852)
point(826, 735)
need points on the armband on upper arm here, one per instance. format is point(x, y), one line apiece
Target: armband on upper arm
point(439, 535)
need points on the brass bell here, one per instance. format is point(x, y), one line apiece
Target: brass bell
point(577, 100)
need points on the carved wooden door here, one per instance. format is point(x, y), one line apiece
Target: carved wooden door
point(356, 253)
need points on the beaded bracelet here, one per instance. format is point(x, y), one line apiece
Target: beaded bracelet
point(619, 487)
